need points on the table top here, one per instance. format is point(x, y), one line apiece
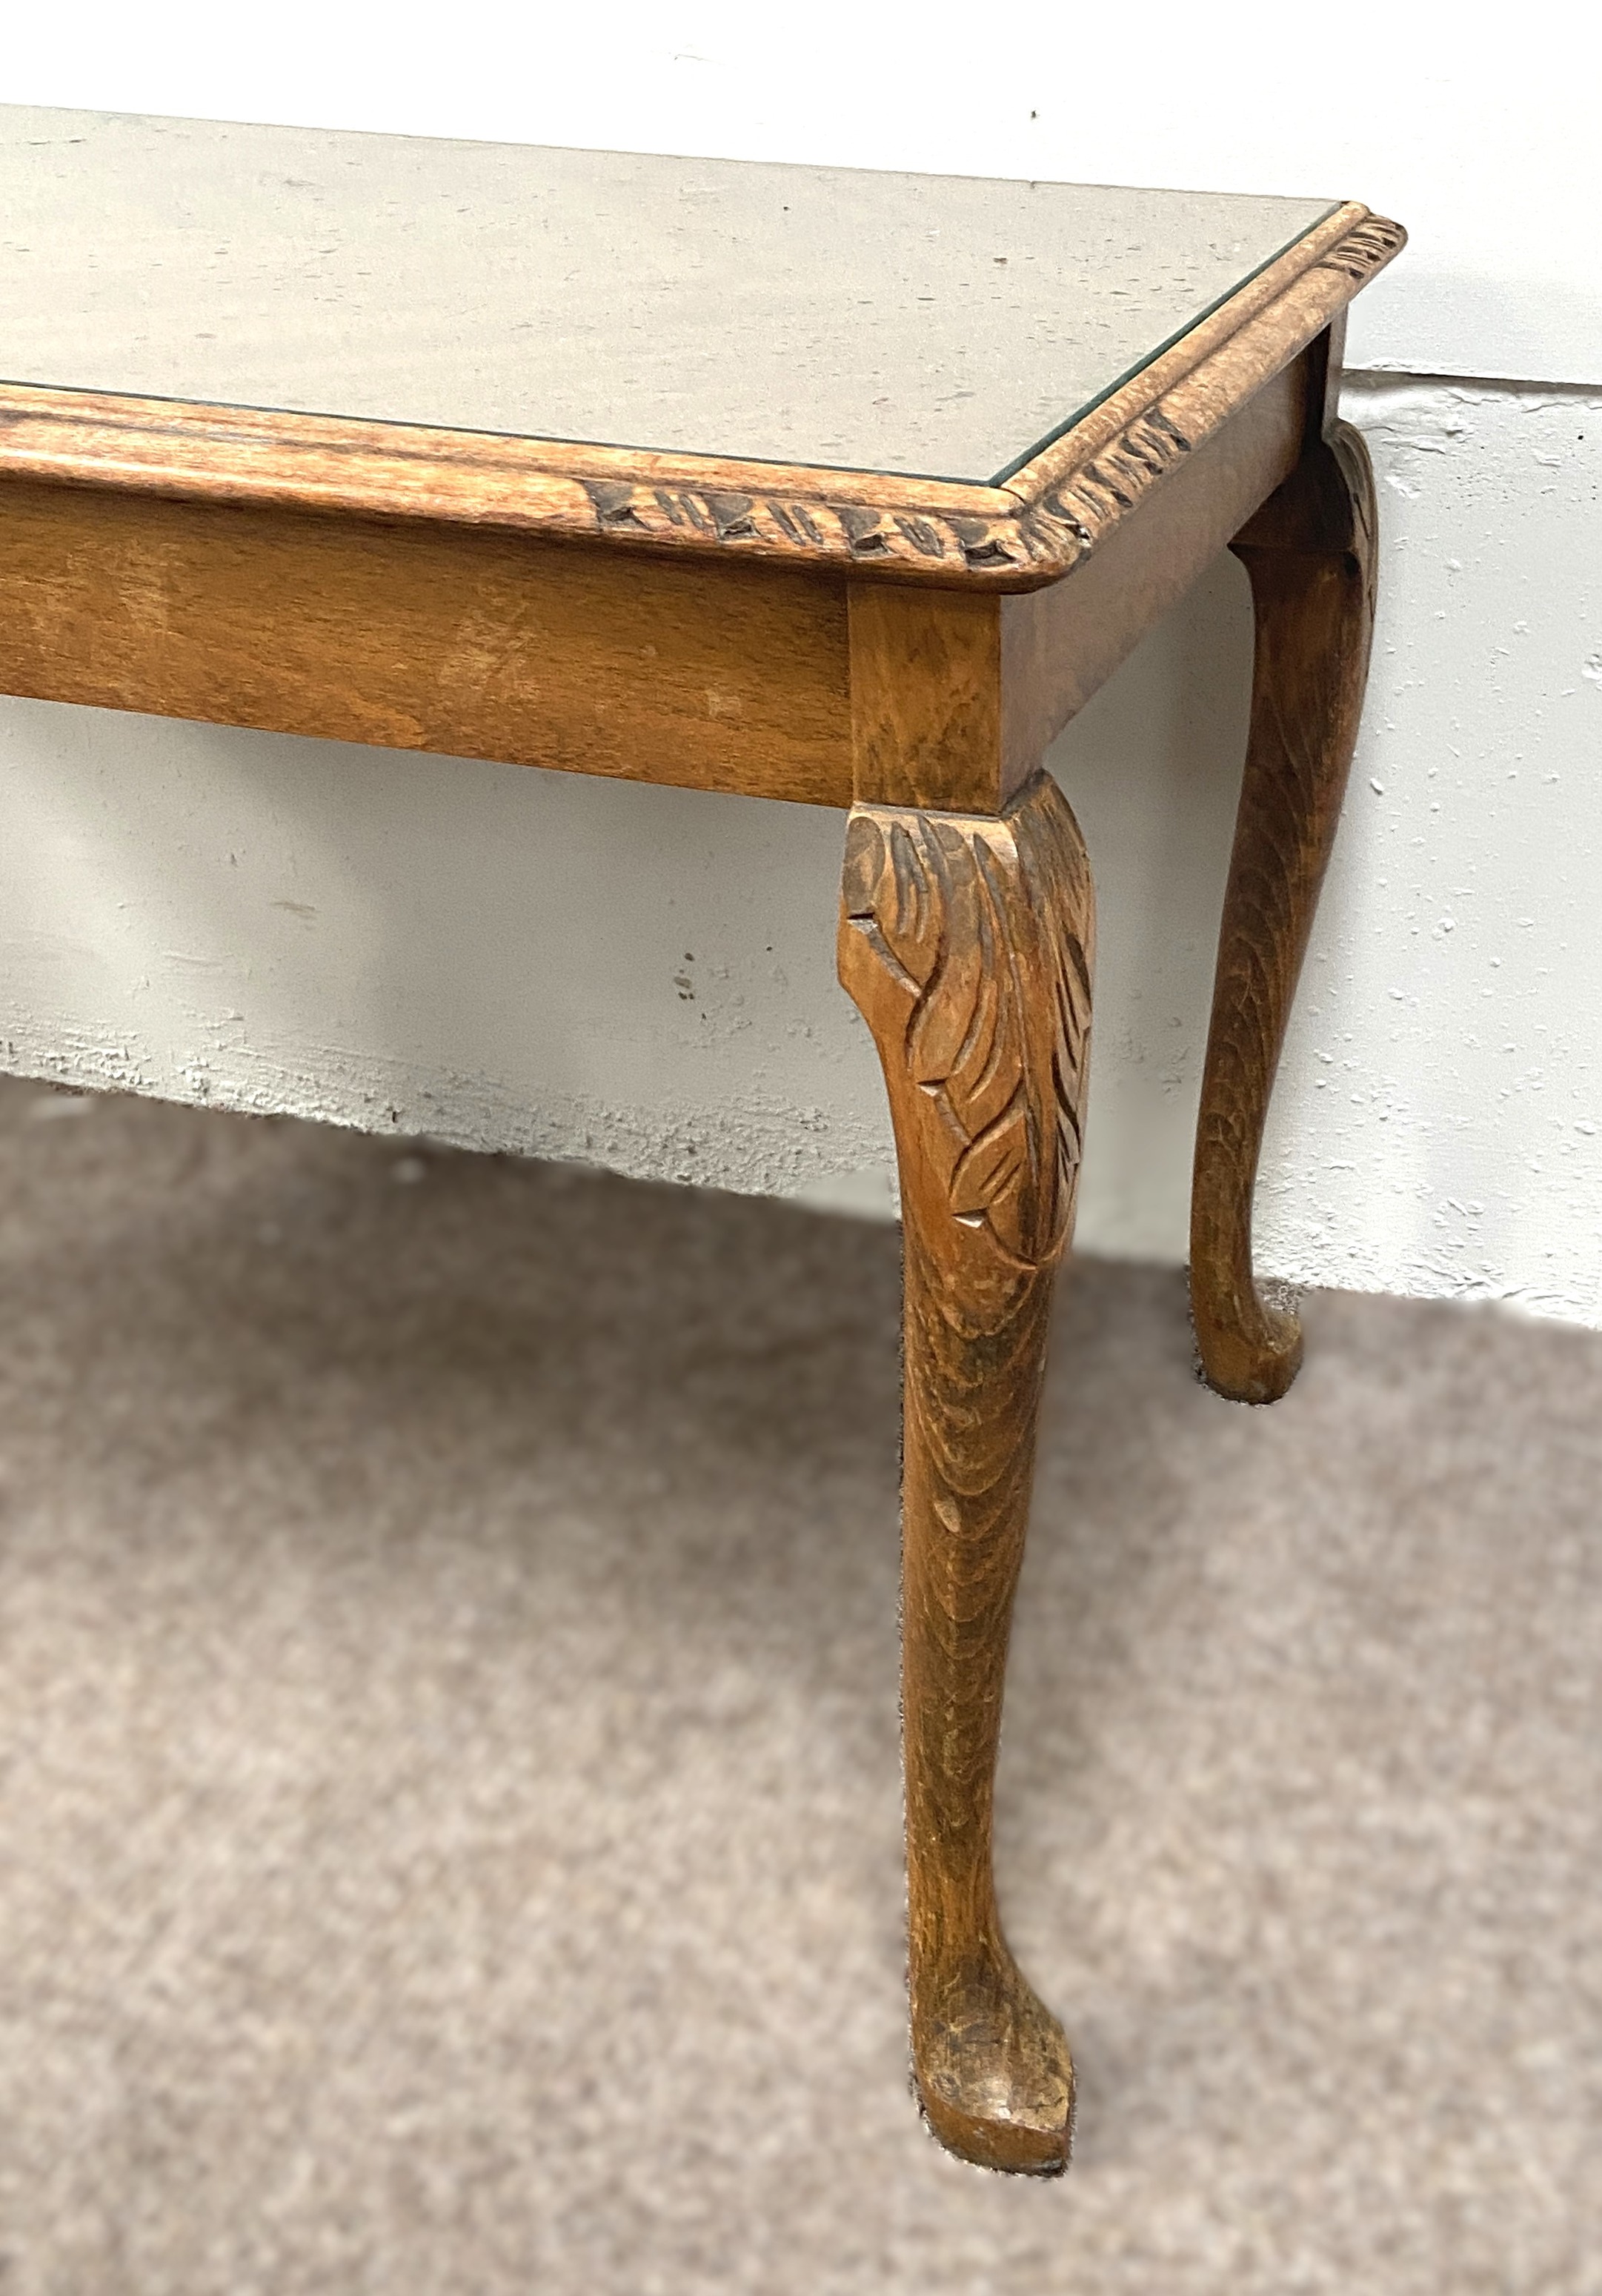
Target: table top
point(947, 327)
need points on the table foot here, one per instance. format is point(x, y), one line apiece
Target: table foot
point(1309, 552)
point(966, 941)
point(993, 2073)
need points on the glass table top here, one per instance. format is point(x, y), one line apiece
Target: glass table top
point(942, 326)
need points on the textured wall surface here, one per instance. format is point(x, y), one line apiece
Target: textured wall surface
point(644, 977)
point(1440, 1129)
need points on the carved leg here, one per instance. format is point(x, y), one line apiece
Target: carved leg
point(1310, 553)
point(966, 941)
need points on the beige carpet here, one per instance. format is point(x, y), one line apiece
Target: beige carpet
point(448, 1757)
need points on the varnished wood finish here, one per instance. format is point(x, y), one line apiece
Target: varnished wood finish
point(1112, 461)
point(829, 520)
point(1020, 535)
point(424, 637)
point(1310, 556)
point(956, 694)
point(910, 644)
point(422, 634)
point(1059, 646)
point(927, 704)
point(967, 943)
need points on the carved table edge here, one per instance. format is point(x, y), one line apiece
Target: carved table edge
point(1020, 535)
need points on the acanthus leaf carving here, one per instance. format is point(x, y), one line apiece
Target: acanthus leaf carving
point(1013, 533)
point(967, 943)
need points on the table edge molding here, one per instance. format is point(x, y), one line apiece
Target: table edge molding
point(1031, 531)
point(1080, 487)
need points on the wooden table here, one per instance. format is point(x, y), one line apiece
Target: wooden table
point(813, 484)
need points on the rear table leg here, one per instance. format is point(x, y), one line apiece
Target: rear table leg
point(1310, 553)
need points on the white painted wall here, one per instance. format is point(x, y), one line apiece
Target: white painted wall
point(645, 976)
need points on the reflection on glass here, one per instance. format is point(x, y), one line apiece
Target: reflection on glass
point(945, 325)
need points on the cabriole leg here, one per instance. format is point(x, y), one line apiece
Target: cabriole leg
point(966, 941)
point(1310, 553)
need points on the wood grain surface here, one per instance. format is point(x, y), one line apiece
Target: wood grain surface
point(836, 639)
point(1060, 644)
point(1028, 531)
point(1095, 474)
point(968, 944)
point(928, 707)
point(1310, 556)
point(419, 637)
point(956, 694)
